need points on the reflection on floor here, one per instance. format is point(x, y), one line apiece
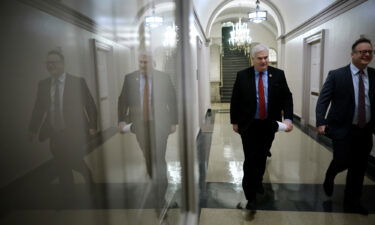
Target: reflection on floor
point(89, 217)
point(293, 191)
point(120, 194)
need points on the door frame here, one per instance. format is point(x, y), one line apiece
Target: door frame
point(307, 42)
point(100, 46)
point(201, 108)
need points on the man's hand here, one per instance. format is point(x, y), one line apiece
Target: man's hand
point(235, 127)
point(321, 129)
point(289, 125)
point(92, 132)
point(121, 126)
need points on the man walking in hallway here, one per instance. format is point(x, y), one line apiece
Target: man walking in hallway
point(260, 96)
point(148, 105)
point(64, 113)
point(350, 122)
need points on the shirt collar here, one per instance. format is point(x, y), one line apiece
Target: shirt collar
point(355, 70)
point(60, 79)
point(265, 72)
point(143, 76)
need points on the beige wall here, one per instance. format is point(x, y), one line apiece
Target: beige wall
point(215, 63)
point(341, 32)
point(27, 35)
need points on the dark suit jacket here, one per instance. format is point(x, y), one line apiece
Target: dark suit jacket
point(164, 104)
point(339, 91)
point(79, 109)
point(244, 103)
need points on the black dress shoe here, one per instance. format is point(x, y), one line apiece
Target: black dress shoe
point(251, 206)
point(260, 189)
point(328, 187)
point(269, 154)
point(352, 207)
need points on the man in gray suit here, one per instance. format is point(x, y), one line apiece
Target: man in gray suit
point(148, 104)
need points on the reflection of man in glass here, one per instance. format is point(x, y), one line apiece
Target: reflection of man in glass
point(148, 104)
point(65, 113)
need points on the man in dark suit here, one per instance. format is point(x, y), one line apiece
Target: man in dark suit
point(65, 113)
point(260, 97)
point(350, 121)
point(148, 104)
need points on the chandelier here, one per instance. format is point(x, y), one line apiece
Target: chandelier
point(153, 21)
point(258, 15)
point(240, 36)
point(170, 39)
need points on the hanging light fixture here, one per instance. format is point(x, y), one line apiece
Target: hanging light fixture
point(170, 39)
point(239, 36)
point(258, 15)
point(153, 21)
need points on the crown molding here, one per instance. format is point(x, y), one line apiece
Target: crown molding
point(61, 11)
point(332, 11)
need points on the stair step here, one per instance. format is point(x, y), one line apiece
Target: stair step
point(232, 62)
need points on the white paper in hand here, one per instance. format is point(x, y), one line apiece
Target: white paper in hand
point(127, 128)
point(282, 126)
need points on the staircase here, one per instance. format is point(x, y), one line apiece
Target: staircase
point(232, 62)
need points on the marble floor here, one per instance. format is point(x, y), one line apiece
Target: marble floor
point(292, 182)
point(121, 189)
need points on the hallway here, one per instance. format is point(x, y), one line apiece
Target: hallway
point(116, 112)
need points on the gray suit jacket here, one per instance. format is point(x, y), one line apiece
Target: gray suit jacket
point(163, 101)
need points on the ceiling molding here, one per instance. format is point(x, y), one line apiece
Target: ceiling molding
point(279, 19)
point(201, 30)
point(61, 11)
point(332, 11)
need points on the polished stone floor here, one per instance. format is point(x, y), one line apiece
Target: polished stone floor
point(292, 181)
point(293, 190)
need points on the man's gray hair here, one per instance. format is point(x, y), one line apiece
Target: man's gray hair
point(258, 48)
point(143, 52)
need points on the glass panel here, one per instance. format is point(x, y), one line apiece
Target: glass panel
point(89, 119)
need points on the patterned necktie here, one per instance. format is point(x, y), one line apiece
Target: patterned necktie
point(361, 101)
point(58, 118)
point(146, 93)
point(262, 101)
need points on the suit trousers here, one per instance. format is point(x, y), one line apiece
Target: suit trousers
point(256, 141)
point(68, 151)
point(351, 153)
point(153, 142)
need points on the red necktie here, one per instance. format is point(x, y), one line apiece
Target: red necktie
point(146, 100)
point(262, 101)
point(361, 101)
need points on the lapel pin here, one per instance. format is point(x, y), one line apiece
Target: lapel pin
point(270, 75)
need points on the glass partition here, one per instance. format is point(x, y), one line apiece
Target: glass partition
point(90, 112)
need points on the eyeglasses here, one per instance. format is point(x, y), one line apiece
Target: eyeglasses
point(363, 52)
point(53, 62)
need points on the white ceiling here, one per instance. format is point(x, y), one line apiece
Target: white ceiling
point(293, 12)
point(233, 14)
point(125, 12)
